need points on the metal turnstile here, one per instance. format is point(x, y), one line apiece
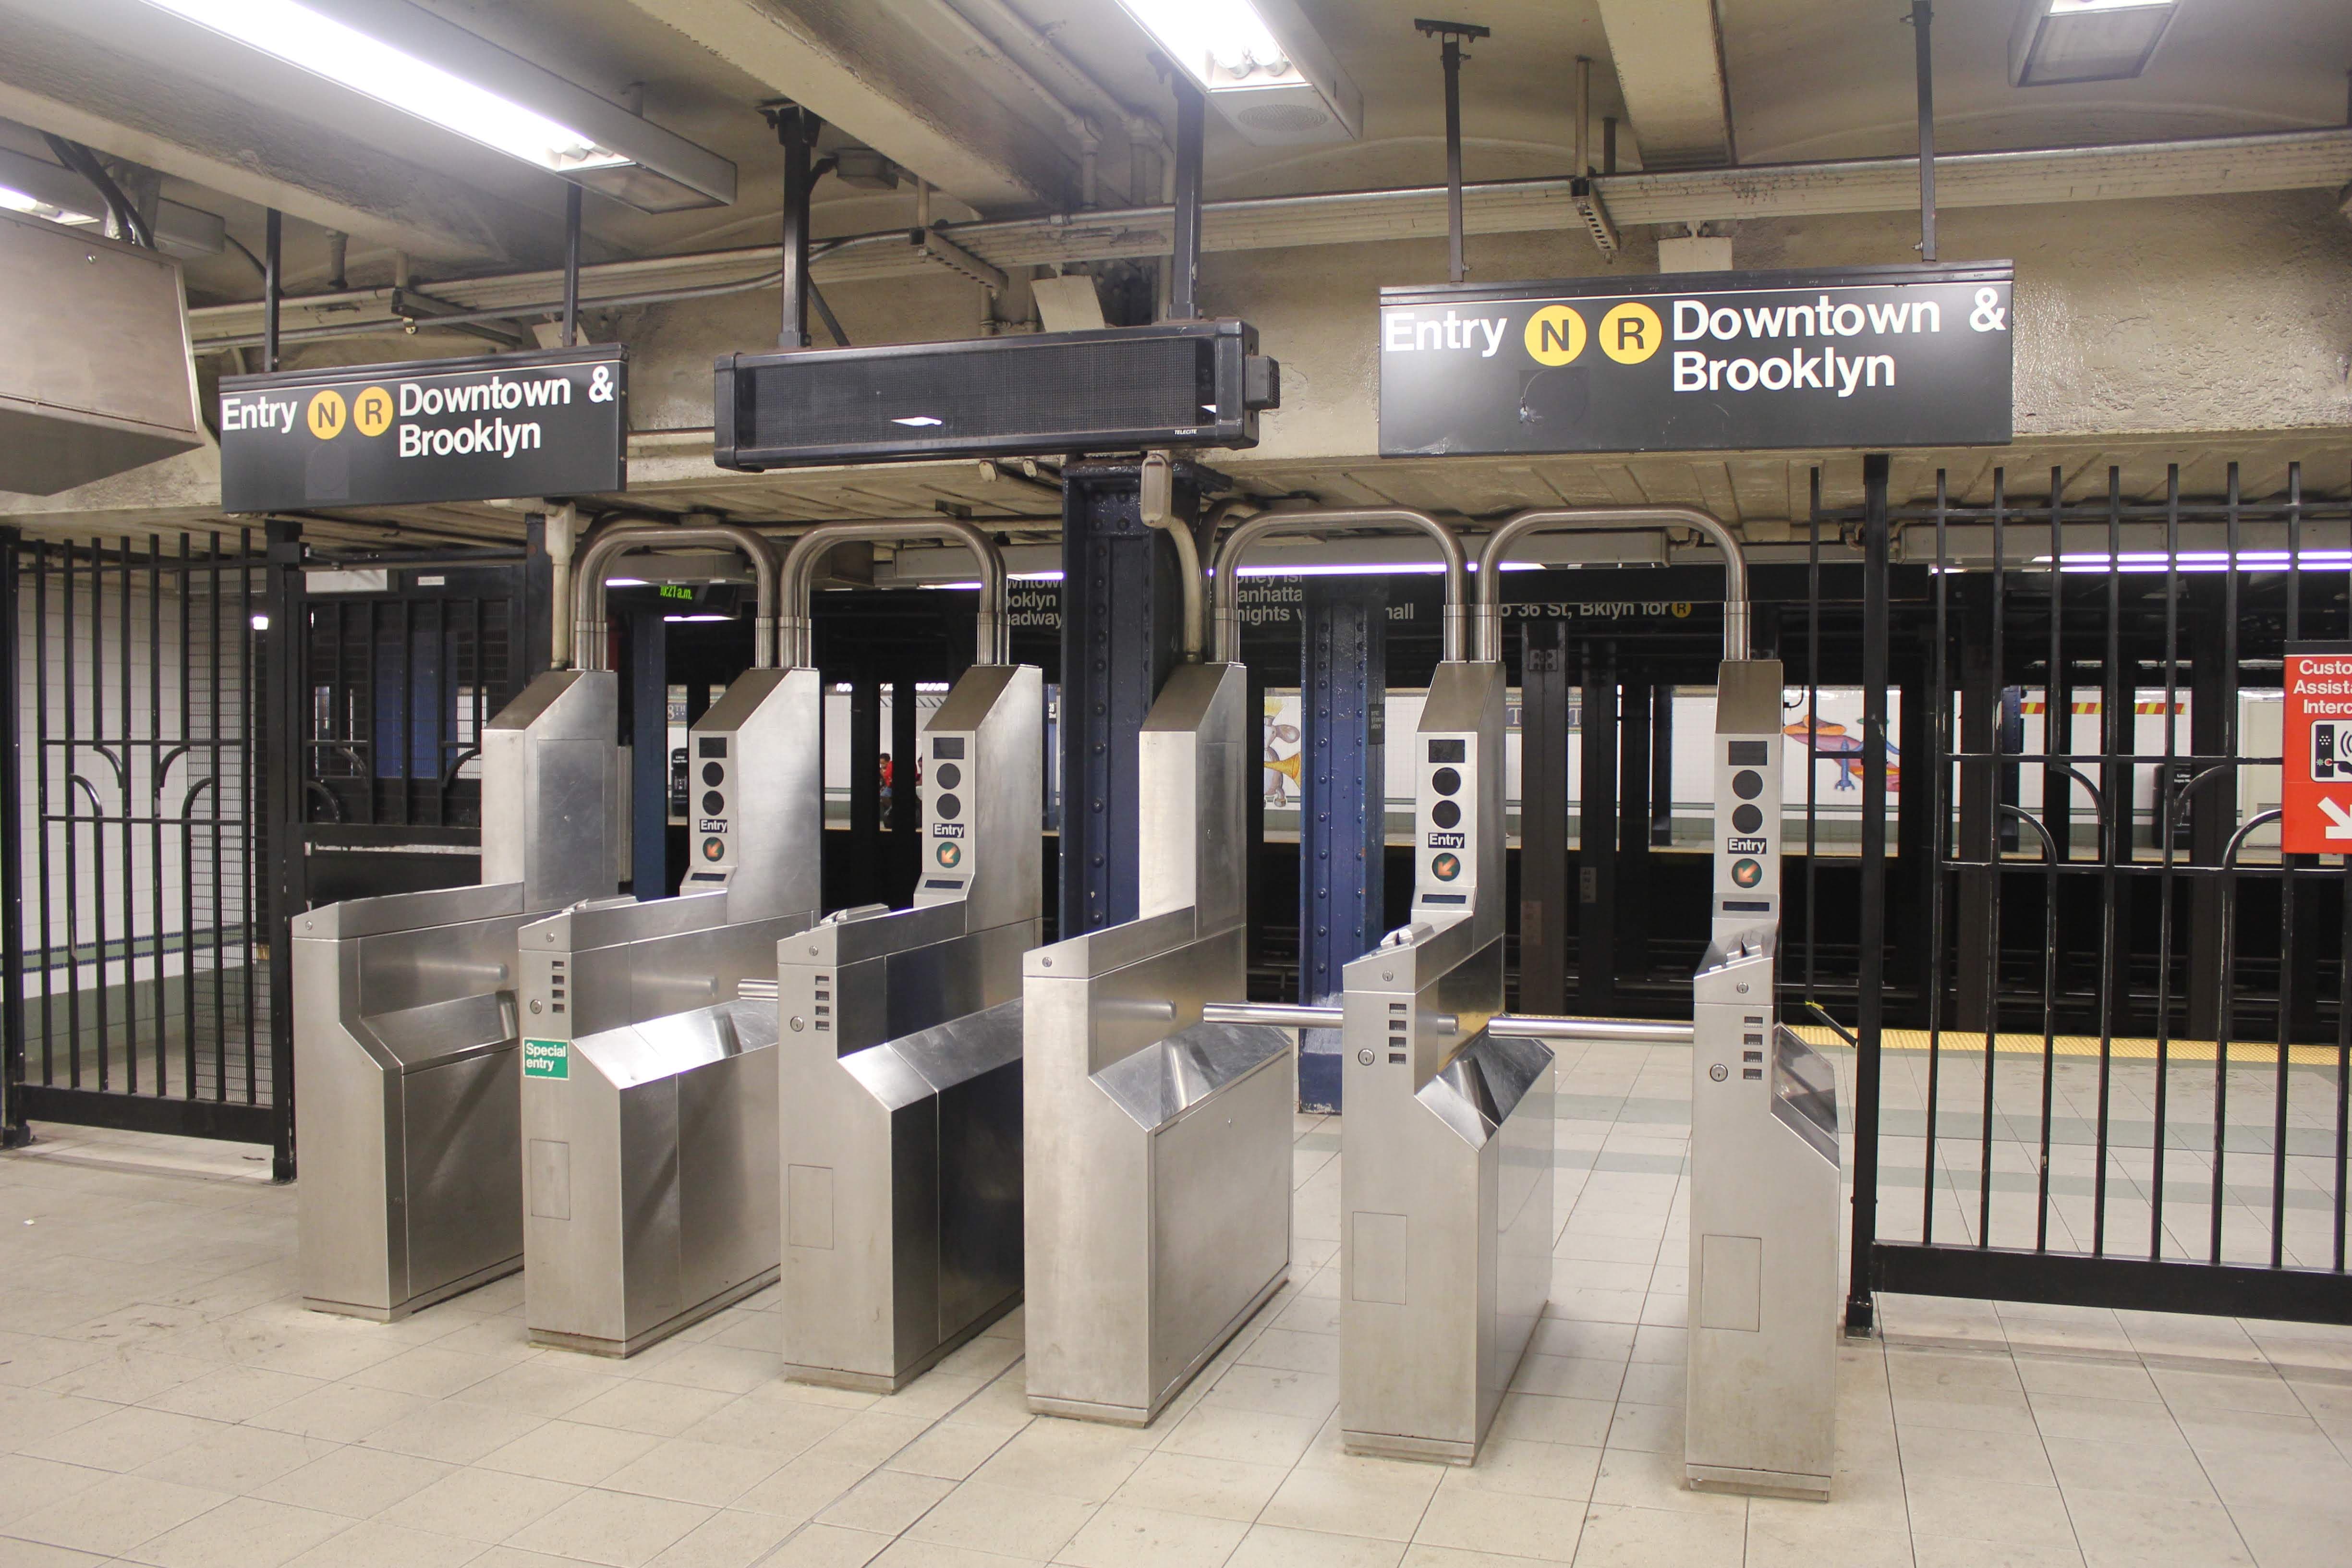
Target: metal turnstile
point(1156, 1146)
point(648, 1083)
point(1764, 1190)
point(1446, 1147)
point(405, 1039)
point(900, 1066)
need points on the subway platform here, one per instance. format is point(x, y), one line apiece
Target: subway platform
point(164, 1399)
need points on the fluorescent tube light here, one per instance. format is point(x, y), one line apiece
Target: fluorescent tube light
point(2060, 41)
point(46, 189)
point(413, 60)
point(1262, 64)
point(17, 201)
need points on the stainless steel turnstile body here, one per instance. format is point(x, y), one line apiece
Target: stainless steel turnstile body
point(648, 1083)
point(900, 1066)
point(1764, 1193)
point(1763, 1238)
point(1446, 1147)
point(1158, 1147)
point(405, 1023)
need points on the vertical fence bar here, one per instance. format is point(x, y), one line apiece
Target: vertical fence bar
point(2344, 1022)
point(1993, 858)
point(1869, 1012)
point(155, 811)
point(2294, 631)
point(288, 880)
point(2057, 730)
point(1812, 724)
point(249, 729)
point(217, 762)
point(2116, 718)
point(126, 781)
point(1939, 816)
point(98, 809)
point(73, 836)
point(41, 795)
point(13, 1131)
point(2165, 876)
point(2229, 875)
point(187, 750)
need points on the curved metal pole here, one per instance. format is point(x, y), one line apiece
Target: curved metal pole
point(991, 641)
point(1603, 518)
point(1226, 560)
point(612, 539)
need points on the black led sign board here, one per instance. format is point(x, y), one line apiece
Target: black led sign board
point(1914, 355)
point(1175, 383)
point(502, 425)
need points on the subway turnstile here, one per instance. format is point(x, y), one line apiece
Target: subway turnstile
point(405, 1037)
point(1157, 1146)
point(900, 1066)
point(649, 1081)
point(1446, 1146)
point(1764, 1194)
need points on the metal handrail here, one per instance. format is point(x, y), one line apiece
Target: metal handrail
point(609, 540)
point(1609, 519)
point(1292, 1016)
point(991, 641)
point(1226, 560)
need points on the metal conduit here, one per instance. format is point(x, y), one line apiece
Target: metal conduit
point(1226, 561)
point(1289, 1015)
point(613, 538)
point(1600, 519)
point(991, 639)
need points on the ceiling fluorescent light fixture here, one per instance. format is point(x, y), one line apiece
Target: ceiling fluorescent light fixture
point(413, 60)
point(1262, 65)
point(2060, 41)
point(45, 190)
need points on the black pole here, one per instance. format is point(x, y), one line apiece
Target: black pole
point(271, 226)
point(14, 1133)
point(571, 267)
point(1924, 56)
point(1184, 277)
point(289, 893)
point(796, 132)
point(1871, 1009)
point(1451, 35)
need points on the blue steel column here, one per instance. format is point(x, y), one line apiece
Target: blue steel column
point(650, 754)
point(1342, 803)
point(1120, 610)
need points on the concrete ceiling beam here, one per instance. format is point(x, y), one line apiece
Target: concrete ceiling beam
point(1669, 61)
point(866, 69)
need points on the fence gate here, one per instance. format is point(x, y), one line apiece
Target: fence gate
point(2114, 1071)
point(137, 990)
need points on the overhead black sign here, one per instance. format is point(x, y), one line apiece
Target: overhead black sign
point(1868, 356)
point(550, 423)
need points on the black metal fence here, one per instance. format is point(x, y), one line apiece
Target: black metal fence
point(137, 990)
point(2112, 1069)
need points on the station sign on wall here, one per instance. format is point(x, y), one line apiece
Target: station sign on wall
point(2316, 748)
point(1873, 356)
point(489, 428)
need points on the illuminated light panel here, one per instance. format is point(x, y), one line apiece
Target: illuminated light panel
point(344, 55)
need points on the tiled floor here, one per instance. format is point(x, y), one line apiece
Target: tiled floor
point(165, 1400)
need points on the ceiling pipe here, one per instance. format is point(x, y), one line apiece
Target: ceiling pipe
point(1081, 129)
point(991, 631)
point(618, 536)
point(1227, 558)
point(1141, 129)
point(1609, 519)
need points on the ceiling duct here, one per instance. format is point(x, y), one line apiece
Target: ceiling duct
point(97, 377)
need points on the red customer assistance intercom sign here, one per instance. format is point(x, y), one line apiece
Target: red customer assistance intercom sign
point(2315, 784)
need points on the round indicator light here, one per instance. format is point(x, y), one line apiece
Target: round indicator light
point(948, 807)
point(1445, 814)
point(1446, 867)
point(950, 853)
point(1746, 819)
point(712, 848)
point(1747, 873)
point(949, 775)
point(1445, 780)
point(1747, 784)
point(713, 774)
point(713, 802)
